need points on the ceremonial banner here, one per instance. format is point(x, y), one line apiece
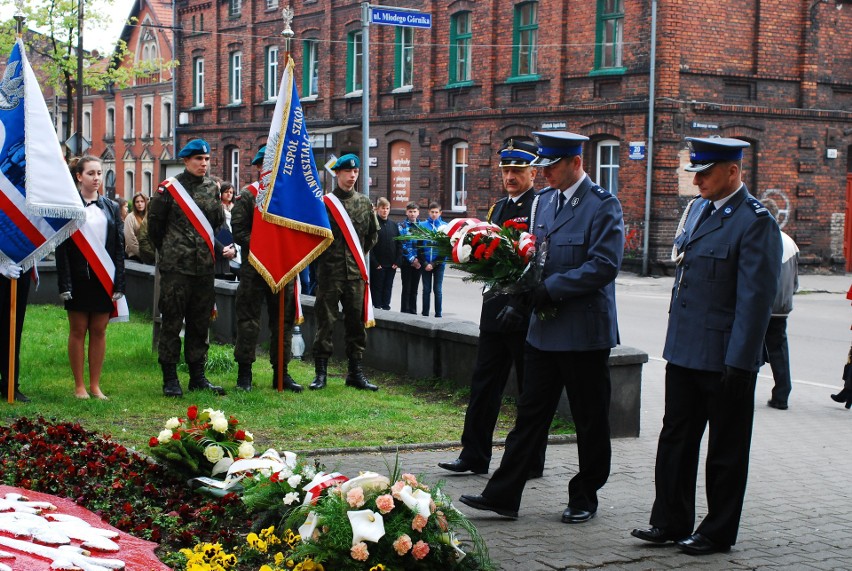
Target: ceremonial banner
point(290, 227)
point(39, 203)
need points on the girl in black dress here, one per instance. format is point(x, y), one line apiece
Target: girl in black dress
point(88, 303)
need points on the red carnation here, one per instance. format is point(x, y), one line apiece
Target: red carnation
point(153, 442)
point(240, 434)
point(176, 435)
point(480, 250)
point(192, 412)
point(522, 227)
point(491, 248)
point(475, 240)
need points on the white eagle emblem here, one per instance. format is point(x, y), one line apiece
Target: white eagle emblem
point(11, 87)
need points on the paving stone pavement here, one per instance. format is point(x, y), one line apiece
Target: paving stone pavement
point(798, 507)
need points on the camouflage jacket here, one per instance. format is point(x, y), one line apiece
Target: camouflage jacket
point(337, 262)
point(182, 249)
point(242, 217)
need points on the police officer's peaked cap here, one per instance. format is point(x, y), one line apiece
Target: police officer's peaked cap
point(195, 147)
point(258, 158)
point(704, 152)
point(347, 161)
point(517, 153)
point(556, 145)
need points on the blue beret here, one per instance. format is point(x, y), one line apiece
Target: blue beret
point(347, 161)
point(517, 153)
point(258, 158)
point(704, 152)
point(556, 145)
point(195, 147)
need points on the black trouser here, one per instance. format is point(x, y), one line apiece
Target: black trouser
point(584, 375)
point(779, 357)
point(694, 399)
point(410, 284)
point(23, 291)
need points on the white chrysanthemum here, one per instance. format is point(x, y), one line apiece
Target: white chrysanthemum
point(164, 436)
point(246, 450)
point(309, 472)
point(173, 423)
point(285, 473)
point(464, 253)
point(291, 498)
point(294, 480)
point(214, 453)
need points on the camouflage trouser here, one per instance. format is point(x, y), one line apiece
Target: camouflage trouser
point(188, 299)
point(351, 294)
point(251, 293)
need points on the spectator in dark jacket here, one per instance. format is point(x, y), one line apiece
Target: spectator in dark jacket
point(385, 257)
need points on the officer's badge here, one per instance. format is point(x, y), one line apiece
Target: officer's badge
point(575, 201)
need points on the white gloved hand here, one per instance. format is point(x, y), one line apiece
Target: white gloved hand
point(65, 296)
point(11, 271)
point(117, 295)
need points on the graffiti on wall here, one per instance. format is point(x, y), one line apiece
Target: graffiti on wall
point(776, 199)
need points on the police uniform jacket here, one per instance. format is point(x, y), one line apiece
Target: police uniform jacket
point(724, 286)
point(503, 210)
point(182, 249)
point(338, 262)
point(585, 244)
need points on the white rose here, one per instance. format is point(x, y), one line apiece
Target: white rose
point(214, 453)
point(219, 423)
point(172, 423)
point(291, 498)
point(164, 436)
point(246, 450)
point(249, 436)
point(294, 480)
point(464, 254)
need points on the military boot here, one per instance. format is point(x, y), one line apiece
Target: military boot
point(290, 383)
point(198, 382)
point(355, 377)
point(321, 369)
point(171, 384)
point(244, 377)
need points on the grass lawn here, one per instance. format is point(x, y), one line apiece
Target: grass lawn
point(403, 411)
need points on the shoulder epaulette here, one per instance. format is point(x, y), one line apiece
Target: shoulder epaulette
point(756, 207)
point(544, 191)
point(601, 192)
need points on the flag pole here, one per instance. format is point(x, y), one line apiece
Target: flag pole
point(287, 15)
point(13, 283)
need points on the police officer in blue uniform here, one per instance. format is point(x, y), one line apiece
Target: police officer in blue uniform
point(579, 231)
point(728, 254)
point(500, 345)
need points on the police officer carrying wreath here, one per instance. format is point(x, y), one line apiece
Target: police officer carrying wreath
point(500, 344)
point(342, 275)
point(182, 218)
point(251, 292)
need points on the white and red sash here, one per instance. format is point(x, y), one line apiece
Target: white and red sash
point(192, 212)
point(104, 268)
point(254, 188)
point(345, 222)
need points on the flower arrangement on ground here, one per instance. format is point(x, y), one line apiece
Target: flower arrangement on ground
point(203, 444)
point(369, 523)
point(501, 257)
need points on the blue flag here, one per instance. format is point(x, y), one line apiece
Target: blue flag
point(39, 203)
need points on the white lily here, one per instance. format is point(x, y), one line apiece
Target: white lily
point(451, 540)
point(417, 501)
point(306, 530)
point(367, 525)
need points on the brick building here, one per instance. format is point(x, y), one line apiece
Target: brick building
point(442, 100)
point(132, 129)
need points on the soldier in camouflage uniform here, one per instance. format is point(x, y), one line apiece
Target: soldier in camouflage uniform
point(186, 270)
point(251, 292)
point(339, 280)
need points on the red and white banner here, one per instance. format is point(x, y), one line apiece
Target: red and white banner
point(104, 269)
point(345, 222)
point(196, 217)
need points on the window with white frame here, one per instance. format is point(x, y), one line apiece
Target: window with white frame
point(147, 120)
point(310, 68)
point(234, 157)
point(270, 79)
point(129, 179)
point(355, 47)
point(271, 4)
point(236, 77)
point(147, 182)
point(128, 122)
point(87, 125)
point(458, 172)
point(198, 82)
point(110, 123)
point(234, 8)
point(607, 165)
point(166, 120)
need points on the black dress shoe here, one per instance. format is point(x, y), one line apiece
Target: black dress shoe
point(656, 535)
point(19, 396)
point(575, 515)
point(482, 503)
point(697, 544)
point(776, 404)
point(843, 396)
point(460, 465)
point(535, 474)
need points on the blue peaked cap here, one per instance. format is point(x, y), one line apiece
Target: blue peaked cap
point(704, 152)
point(556, 145)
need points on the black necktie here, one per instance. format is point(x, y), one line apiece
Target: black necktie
point(560, 203)
point(705, 214)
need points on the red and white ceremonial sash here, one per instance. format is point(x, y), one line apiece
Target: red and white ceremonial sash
point(345, 222)
point(191, 210)
point(103, 266)
point(254, 188)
